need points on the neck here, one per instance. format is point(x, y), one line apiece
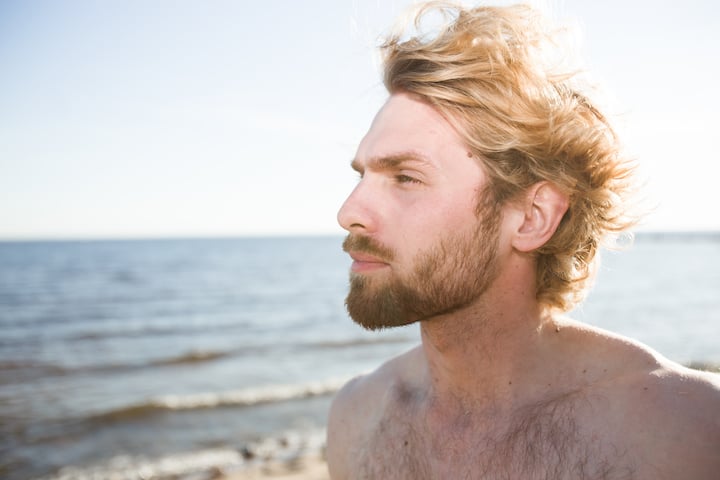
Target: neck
point(487, 354)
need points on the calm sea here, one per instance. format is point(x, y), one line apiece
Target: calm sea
point(127, 359)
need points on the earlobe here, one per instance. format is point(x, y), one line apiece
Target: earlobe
point(542, 208)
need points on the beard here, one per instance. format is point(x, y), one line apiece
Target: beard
point(447, 277)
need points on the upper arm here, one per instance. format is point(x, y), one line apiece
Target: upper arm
point(702, 411)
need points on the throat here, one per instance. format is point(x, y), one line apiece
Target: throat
point(478, 363)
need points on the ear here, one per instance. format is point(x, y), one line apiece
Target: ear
point(542, 207)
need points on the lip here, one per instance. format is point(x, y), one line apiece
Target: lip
point(363, 262)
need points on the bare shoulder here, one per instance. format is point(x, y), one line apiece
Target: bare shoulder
point(666, 414)
point(676, 413)
point(358, 407)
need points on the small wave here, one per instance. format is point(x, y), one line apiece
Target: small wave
point(145, 331)
point(13, 365)
point(23, 371)
point(705, 366)
point(289, 450)
point(194, 356)
point(103, 335)
point(234, 398)
point(682, 236)
point(359, 342)
point(182, 465)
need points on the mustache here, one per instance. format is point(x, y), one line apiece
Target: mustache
point(362, 244)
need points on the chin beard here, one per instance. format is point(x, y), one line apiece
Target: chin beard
point(376, 307)
point(448, 277)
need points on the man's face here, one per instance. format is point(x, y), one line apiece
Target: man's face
point(421, 233)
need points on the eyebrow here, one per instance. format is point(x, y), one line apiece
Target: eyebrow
point(389, 162)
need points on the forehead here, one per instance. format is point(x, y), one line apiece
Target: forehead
point(406, 124)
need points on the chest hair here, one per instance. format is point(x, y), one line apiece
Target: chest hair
point(537, 442)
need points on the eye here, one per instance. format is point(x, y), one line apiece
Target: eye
point(400, 178)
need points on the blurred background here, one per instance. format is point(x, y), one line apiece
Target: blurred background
point(171, 280)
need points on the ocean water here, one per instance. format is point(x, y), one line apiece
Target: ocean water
point(127, 359)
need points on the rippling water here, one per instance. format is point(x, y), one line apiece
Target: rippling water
point(118, 356)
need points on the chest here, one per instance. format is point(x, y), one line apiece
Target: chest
point(531, 445)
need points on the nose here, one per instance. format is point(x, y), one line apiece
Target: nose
point(355, 215)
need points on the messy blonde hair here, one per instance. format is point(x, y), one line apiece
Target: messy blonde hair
point(489, 71)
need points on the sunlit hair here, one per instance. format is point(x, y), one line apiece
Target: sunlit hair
point(496, 74)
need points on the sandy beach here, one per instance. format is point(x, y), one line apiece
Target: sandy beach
point(306, 468)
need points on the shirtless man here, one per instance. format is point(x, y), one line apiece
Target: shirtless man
point(487, 183)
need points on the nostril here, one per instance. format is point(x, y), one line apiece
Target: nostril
point(350, 224)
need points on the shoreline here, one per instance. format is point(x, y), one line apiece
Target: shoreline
point(286, 457)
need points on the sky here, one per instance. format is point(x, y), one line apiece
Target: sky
point(164, 118)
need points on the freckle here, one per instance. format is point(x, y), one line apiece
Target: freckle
point(509, 383)
point(406, 443)
point(585, 371)
point(644, 388)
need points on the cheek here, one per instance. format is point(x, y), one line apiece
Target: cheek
point(436, 221)
point(459, 214)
